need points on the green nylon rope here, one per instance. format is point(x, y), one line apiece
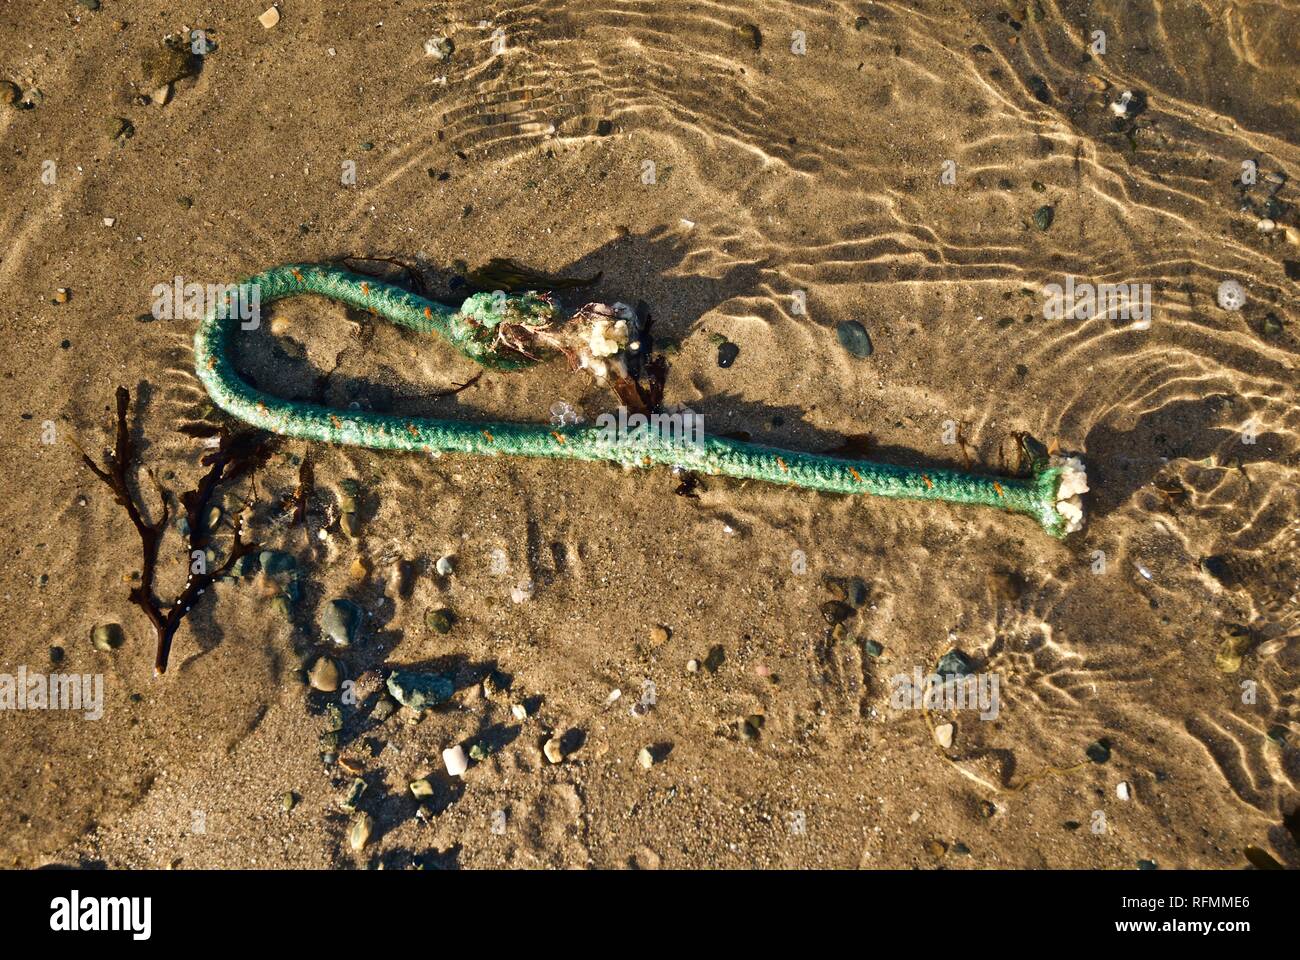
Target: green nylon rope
point(472, 330)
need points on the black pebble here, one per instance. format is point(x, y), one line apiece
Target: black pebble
point(727, 353)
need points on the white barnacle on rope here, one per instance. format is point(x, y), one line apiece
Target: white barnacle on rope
point(1074, 483)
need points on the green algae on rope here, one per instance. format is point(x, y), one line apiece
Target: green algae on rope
point(515, 331)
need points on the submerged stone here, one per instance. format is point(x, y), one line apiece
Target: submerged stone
point(420, 690)
point(854, 338)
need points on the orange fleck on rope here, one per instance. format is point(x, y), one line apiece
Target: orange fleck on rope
point(929, 484)
point(856, 476)
point(559, 437)
point(997, 487)
point(489, 436)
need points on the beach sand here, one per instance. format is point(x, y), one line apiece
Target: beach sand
point(710, 160)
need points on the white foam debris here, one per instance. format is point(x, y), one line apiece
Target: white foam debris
point(1074, 483)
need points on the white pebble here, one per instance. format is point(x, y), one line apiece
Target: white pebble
point(943, 735)
point(270, 18)
point(455, 760)
point(109, 221)
point(1122, 790)
point(444, 566)
point(553, 751)
point(522, 591)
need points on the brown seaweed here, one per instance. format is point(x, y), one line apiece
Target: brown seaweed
point(237, 454)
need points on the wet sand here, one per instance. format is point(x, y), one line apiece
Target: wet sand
point(774, 171)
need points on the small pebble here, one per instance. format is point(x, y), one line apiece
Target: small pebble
point(440, 620)
point(444, 566)
point(274, 561)
point(353, 796)
point(943, 735)
point(1098, 751)
point(1122, 790)
point(658, 635)
point(519, 711)
point(360, 569)
point(455, 761)
point(363, 825)
point(854, 338)
point(287, 800)
point(727, 354)
point(107, 636)
point(554, 753)
point(954, 663)
point(340, 620)
point(522, 591)
point(269, 18)
point(645, 758)
point(692, 666)
point(62, 295)
point(420, 690)
point(1044, 216)
point(324, 675)
point(421, 788)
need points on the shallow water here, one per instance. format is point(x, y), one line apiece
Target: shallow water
point(893, 173)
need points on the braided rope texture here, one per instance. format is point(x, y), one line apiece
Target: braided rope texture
point(472, 331)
